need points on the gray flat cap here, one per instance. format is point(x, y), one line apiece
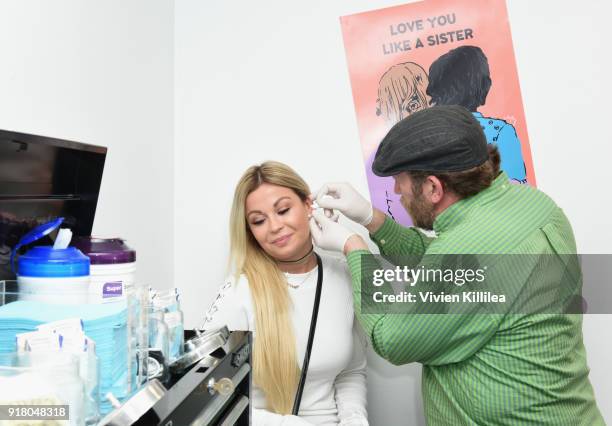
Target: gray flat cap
point(437, 139)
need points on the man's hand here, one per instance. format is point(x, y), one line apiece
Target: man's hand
point(328, 234)
point(343, 197)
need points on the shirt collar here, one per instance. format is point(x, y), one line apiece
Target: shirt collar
point(455, 213)
point(477, 114)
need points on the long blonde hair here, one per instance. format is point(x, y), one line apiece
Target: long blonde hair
point(275, 368)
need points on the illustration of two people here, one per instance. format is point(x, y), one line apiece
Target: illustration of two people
point(459, 77)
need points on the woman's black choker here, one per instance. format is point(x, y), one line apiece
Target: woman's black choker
point(301, 259)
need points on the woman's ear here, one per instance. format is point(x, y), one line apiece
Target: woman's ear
point(308, 203)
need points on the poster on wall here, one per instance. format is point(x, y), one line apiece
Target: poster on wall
point(435, 52)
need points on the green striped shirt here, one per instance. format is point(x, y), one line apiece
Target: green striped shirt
point(486, 368)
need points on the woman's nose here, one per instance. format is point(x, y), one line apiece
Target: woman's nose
point(275, 224)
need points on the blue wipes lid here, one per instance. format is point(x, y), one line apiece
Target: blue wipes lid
point(35, 234)
point(40, 231)
point(45, 261)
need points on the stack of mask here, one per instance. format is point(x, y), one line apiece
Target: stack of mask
point(104, 324)
point(68, 337)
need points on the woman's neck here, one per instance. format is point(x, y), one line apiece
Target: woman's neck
point(307, 264)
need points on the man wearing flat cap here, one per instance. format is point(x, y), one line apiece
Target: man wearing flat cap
point(511, 360)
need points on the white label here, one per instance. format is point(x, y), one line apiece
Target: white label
point(43, 341)
point(22, 338)
point(65, 326)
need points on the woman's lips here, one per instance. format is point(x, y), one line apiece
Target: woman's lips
point(282, 241)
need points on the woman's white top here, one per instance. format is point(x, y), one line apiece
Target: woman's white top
point(335, 388)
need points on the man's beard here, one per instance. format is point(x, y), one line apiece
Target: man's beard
point(420, 210)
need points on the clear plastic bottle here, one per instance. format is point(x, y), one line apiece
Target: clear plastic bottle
point(168, 301)
point(159, 350)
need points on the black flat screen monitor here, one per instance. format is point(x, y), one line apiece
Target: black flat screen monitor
point(42, 178)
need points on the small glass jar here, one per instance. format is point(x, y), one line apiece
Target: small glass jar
point(44, 379)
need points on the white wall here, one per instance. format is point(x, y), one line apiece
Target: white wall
point(101, 72)
point(564, 61)
point(186, 95)
point(257, 81)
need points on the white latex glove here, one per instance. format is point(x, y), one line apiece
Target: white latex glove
point(343, 197)
point(328, 234)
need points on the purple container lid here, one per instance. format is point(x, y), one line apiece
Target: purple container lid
point(105, 251)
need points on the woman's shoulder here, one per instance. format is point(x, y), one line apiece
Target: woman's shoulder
point(232, 304)
point(336, 270)
point(334, 263)
point(237, 288)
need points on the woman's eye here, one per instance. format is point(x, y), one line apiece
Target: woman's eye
point(257, 222)
point(283, 211)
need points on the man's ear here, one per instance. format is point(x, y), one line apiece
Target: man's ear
point(434, 189)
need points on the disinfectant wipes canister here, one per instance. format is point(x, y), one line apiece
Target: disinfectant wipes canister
point(113, 267)
point(56, 274)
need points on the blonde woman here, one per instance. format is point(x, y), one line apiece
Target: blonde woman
point(271, 292)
